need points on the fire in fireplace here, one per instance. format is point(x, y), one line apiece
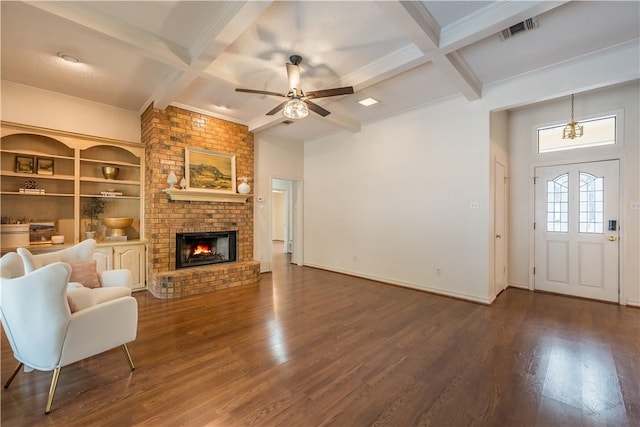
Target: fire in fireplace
point(193, 249)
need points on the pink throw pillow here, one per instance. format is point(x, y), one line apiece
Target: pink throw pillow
point(72, 305)
point(85, 273)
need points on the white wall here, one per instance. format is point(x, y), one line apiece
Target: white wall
point(274, 158)
point(393, 202)
point(522, 123)
point(37, 107)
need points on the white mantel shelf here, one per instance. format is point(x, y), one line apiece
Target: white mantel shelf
point(205, 196)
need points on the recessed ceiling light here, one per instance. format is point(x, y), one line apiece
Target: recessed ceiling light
point(69, 58)
point(368, 102)
point(222, 107)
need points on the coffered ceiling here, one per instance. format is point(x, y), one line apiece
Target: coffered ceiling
point(195, 53)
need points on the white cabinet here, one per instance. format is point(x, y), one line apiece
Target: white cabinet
point(104, 258)
point(131, 256)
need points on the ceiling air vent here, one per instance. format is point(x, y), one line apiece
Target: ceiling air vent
point(520, 27)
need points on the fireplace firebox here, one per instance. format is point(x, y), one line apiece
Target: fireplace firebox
point(194, 249)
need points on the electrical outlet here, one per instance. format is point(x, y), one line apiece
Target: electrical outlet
point(474, 205)
point(438, 272)
point(634, 206)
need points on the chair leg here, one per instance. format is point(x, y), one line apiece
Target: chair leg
point(52, 390)
point(125, 349)
point(13, 374)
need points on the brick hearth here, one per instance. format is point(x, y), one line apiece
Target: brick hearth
point(166, 134)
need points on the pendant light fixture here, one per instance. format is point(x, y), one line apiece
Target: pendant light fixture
point(572, 129)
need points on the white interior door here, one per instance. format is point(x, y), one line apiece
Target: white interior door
point(500, 238)
point(576, 229)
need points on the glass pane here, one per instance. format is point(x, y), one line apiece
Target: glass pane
point(591, 203)
point(596, 132)
point(558, 205)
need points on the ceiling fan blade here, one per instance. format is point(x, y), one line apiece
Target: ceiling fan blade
point(278, 108)
point(330, 92)
point(316, 108)
point(293, 74)
point(261, 92)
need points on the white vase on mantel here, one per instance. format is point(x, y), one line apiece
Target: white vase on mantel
point(244, 188)
point(172, 180)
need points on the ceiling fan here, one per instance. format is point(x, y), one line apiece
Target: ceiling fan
point(298, 103)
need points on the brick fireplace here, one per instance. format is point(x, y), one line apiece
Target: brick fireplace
point(166, 133)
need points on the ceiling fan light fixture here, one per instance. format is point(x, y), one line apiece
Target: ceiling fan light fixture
point(295, 109)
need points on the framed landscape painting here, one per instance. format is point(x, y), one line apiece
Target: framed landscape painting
point(207, 170)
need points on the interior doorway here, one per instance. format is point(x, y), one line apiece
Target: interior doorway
point(286, 218)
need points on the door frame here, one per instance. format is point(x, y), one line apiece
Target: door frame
point(295, 219)
point(505, 233)
point(622, 298)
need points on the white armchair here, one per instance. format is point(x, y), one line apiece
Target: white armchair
point(11, 266)
point(113, 283)
point(45, 335)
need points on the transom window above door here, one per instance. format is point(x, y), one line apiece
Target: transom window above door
point(596, 132)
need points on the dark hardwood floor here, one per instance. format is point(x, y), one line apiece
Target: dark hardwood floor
point(310, 348)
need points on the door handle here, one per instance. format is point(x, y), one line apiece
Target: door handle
point(498, 236)
point(612, 238)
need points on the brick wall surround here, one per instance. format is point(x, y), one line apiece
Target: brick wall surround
point(166, 133)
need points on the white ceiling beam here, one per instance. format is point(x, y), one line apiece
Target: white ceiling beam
point(385, 67)
point(265, 122)
point(422, 30)
point(222, 31)
point(416, 22)
point(146, 44)
point(490, 21)
point(459, 73)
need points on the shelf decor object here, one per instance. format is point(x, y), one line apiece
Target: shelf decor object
point(243, 187)
point(93, 209)
point(110, 172)
point(31, 187)
point(24, 164)
point(118, 226)
point(44, 166)
point(172, 180)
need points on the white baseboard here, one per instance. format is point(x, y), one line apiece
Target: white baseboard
point(265, 267)
point(420, 287)
point(519, 285)
point(633, 303)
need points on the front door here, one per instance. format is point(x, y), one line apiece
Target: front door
point(576, 229)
